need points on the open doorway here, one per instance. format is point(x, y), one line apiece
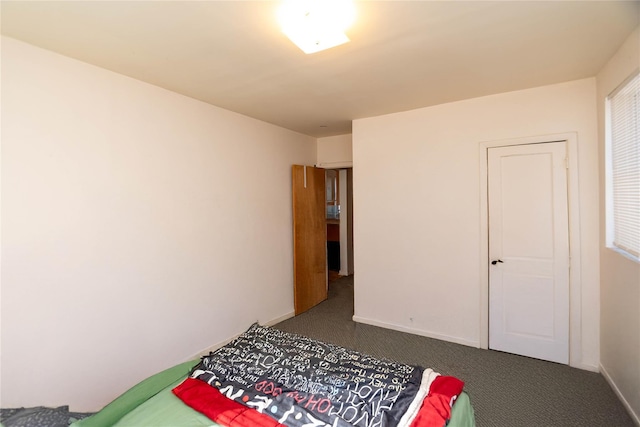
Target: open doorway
point(339, 219)
point(310, 231)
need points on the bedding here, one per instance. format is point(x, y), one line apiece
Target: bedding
point(39, 416)
point(272, 378)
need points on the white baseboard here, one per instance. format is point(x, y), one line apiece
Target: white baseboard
point(420, 332)
point(279, 319)
point(211, 348)
point(586, 367)
point(216, 346)
point(618, 393)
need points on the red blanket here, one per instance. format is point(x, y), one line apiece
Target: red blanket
point(209, 401)
point(434, 412)
point(436, 407)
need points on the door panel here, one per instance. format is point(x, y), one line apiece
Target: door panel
point(528, 232)
point(309, 238)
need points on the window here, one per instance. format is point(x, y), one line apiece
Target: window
point(623, 168)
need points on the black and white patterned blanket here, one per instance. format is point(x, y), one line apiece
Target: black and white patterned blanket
point(299, 381)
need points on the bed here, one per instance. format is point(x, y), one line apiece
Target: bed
point(267, 377)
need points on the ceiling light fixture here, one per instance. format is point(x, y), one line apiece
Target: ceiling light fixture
point(315, 25)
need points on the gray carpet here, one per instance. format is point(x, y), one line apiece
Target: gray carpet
point(505, 389)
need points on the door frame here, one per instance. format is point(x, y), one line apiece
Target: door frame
point(573, 200)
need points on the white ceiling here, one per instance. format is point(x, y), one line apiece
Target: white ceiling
point(403, 54)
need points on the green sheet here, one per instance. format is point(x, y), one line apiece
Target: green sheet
point(152, 404)
point(137, 395)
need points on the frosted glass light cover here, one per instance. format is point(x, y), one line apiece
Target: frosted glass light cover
point(315, 25)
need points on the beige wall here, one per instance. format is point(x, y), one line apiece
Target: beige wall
point(417, 210)
point(619, 276)
point(335, 152)
point(139, 227)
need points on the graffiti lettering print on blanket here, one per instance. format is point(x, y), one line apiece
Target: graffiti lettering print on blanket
point(299, 381)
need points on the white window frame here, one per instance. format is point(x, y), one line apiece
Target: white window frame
point(632, 253)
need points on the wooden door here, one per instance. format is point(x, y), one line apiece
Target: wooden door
point(529, 251)
point(309, 238)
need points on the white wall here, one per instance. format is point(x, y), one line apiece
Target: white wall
point(619, 276)
point(335, 152)
point(138, 228)
point(346, 244)
point(417, 209)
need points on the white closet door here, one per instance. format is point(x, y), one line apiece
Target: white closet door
point(529, 251)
